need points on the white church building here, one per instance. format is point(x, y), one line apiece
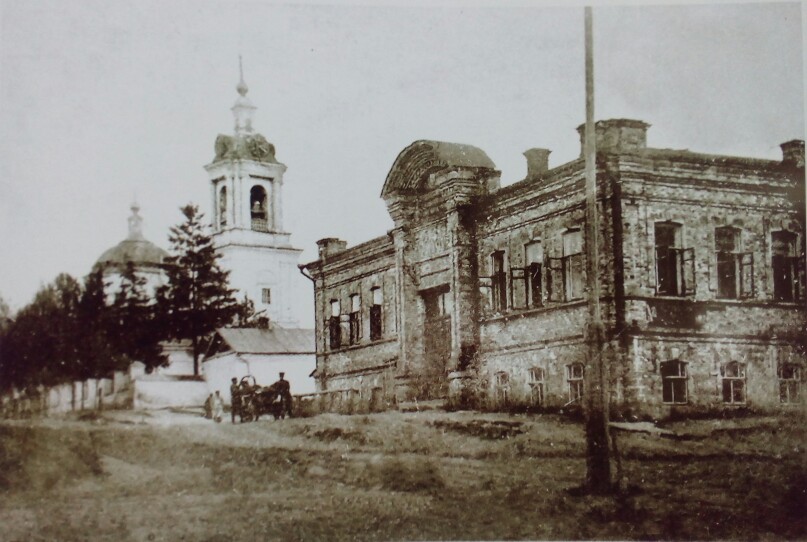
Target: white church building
point(246, 189)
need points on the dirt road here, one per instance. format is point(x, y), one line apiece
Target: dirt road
point(393, 476)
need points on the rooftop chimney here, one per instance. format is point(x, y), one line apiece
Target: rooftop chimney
point(793, 152)
point(537, 162)
point(617, 135)
point(330, 246)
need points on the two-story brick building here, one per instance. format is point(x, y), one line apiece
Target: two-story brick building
point(483, 288)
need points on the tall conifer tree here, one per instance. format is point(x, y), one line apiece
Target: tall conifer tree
point(198, 298)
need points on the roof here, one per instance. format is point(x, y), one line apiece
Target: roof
point(414, 164)
point(244, 147)
point(137, 251)
point(276, 340)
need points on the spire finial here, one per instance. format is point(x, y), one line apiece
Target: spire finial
point(243, 108)
point(242, 86)
point(135, 223)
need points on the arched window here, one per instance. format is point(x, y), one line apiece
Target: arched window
point(732, 375)
point(535, 380)
point(258, 208)
point(674, 382)
point(223, 206)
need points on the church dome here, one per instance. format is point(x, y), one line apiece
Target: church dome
point(135, 248)
point(139, 252)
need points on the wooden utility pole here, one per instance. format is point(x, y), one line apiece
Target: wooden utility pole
point(598, 460)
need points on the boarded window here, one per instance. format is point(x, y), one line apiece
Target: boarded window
point(732, 376)
point(438, 305)
point(554, 280)
point(789, 383)
point(266, 296)
point(674, 382)
point(573, 265)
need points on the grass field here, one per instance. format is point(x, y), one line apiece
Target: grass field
point(393, 476)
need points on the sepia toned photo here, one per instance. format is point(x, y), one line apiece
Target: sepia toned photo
point(402, 271)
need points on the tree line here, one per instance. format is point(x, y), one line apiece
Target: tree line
point(74, 330)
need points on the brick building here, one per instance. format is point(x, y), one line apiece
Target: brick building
point(483, 288)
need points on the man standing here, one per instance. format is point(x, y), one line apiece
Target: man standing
point(235, 399)
point(284, 390)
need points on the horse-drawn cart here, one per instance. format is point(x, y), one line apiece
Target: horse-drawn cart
point(257, 400)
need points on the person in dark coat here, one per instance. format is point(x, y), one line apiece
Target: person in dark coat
point(283, 388)
point(235, 399)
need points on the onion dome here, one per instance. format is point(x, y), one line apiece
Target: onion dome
point(135, 248)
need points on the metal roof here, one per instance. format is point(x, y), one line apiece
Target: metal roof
point(418, 160)
point(276, 340)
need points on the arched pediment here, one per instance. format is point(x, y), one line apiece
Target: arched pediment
point(416, 162)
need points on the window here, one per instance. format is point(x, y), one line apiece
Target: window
point(535, 380)
point(534, 255)
point(735, 269)
point(565, 281)
point(438, 304)
point(258, 208)
point(376, 328)
point(732, 375)
point(574, 380)
point(266, 296)
point(788, 282)
point(334, 328)
point(502, 387)
point(675, 266)
point(789, 383)
point(223, 206)
point(573, 264)
point(355, 318)
point(674, 382)
point(498, 281)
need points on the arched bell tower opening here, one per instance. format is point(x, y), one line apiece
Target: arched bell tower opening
point(258, 208)
point(246, 183)
point(222, 207)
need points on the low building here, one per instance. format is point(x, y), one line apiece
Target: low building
point(481, 289)
point(262, 353)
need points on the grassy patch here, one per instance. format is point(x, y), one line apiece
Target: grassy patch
point(37, 458)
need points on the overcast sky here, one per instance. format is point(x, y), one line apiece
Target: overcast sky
point(100, 101)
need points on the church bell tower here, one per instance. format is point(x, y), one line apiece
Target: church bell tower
point(246, 189)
